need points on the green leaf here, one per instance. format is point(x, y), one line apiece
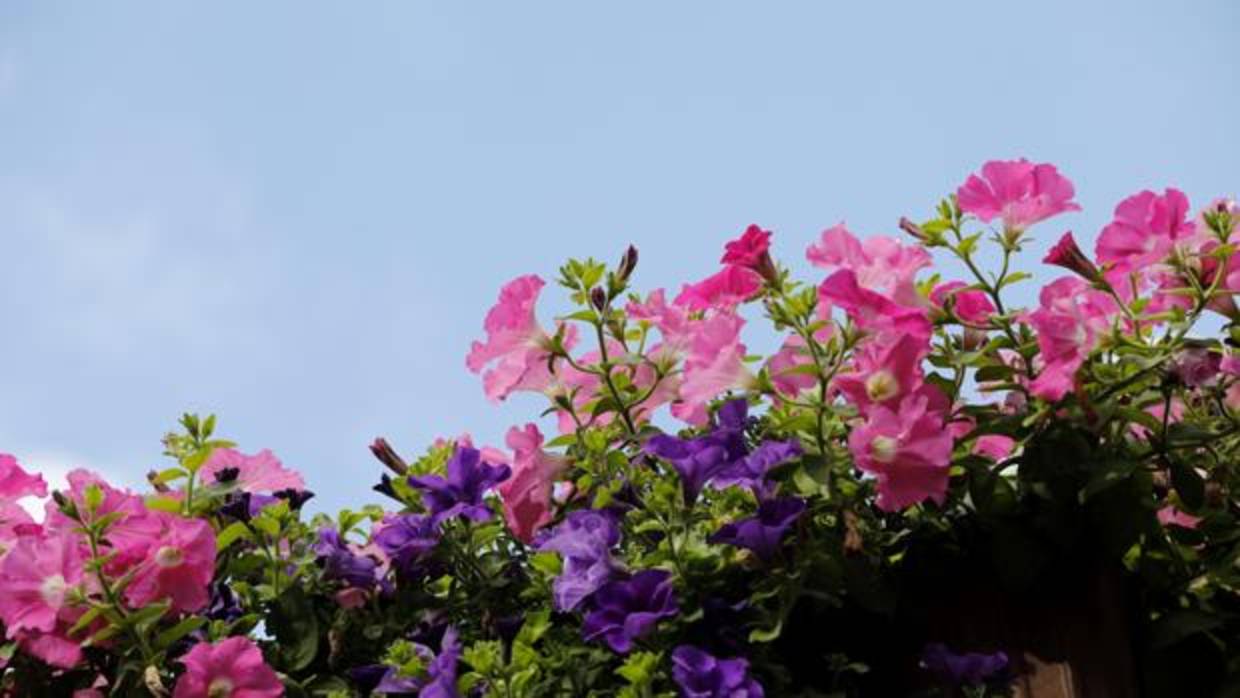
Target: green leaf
point(767, 634)
point(234, 532)
point(166, 504)
point(178, 631)
point(295, 625)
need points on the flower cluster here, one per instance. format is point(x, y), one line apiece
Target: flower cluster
point(697, 519)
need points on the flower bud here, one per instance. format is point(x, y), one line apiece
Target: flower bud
point(1067, 254)
point(159, 485)
point(627, 264)
point(598, 298)
point(383, 451)
point(912, 229)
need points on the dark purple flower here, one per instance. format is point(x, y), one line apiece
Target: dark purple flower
point(224, 605)
point(734, 415)
point(701, 675)
point(460, 493)
point(971, 668)
point(296, 498)
point(627, 609)
point(753, 469)
point(763, 532)
point(368, 676)
point(407, 539)
point(584, 541)
point(339, 562)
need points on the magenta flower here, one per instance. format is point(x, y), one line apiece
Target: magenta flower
point(179, 566)
point(880, 263)
point(701, 675)
point(752, 251)
point(461, 492)
point(230, 668)
point(37, 577)
point(994, 446)
point(787, 367)
point(1067, 254)
point(968, 304)
point(16, 483)
point(884, 374)
point(1145, 229)
point(872, 311)
point(261, 472)
point(584, 541)
point(516, 349)
point(723, 290)
point(1069, 323)
point(527, 494)
point(909, 450)
point(1018, 192)
point(629, 609)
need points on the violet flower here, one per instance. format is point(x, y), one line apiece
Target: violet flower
point(762, 533)
point(584, 541)
point(406, 540)
point(971, 668)
point(440, 679)
point(701, 675)
point(628, 609)
point(461, 492)
point(339, 562)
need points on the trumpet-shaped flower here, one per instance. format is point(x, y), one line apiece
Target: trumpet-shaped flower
point(1018, 192)
point(880, 263)
point(261, 472)
point(461, 492)
point(584, 541)
point(1069, 324)
point(908, 449)
point(968, 304)
point(723, 290)
point(702, 675)
point(527, 494)
point(1145, 229)
point(628, 609)
point(37, 577)
point(763, 533)
point(179, 566)
point(715, 363)
point(231, 668)
point(516, 348)
point(884, 374)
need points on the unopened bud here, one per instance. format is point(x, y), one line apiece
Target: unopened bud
point(912, 229)
point(159, 485)
point(627, 264)
point(598, 298)
point(1067, 254)
point(383, 451)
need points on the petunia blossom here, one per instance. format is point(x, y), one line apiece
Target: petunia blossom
point(626, 610)
point(515, 355)
point(1018, 192)
point(883, 374)
point(752, 251)
point(179, 566)
point(261, 472)
point(880, 263)
point(723, 290)
point(699, 674)
point(527, 494)
point(37, 577)
point(762, 533)
point(584, 541)
point(908, 449)
point(1145, 229)
point(231, 668)
point(461, 492)
point(968, 304)
point(715, 363)
point(1069, 324)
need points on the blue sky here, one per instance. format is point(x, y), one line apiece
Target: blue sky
point(296, 214)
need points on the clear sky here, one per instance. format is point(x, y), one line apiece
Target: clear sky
point(296, 214)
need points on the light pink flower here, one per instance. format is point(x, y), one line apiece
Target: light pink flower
point(179, 566)
point(516, 346)
point(909, 450)
point(1069, 323)
point(968, 304)
point(527, 494)
point(724, 290)
point(1145, 229)
point(994, 446)
point(261, 472)
point(672, 321)
point(36, 579)
point(230, 668)
point(884, 374)
point(880, 263)
point(714, 364)
point(1018, 192)
point(789, 368)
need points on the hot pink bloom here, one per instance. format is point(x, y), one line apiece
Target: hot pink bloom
point(908, 449)
point(527, 494)
point(261, 472)
point(1145, 229)
point(884, 374)
point(871, 311)
point(1170, 516)
point(1072, 319)
point(133, 526)
point(880, 263)
point(56, 648)
point(994, 446)
point(672, 321)
point(230, 668)
point(16, 483)
point(1017, 191)
point(1156, 411)
point(723, 291)
point(179, 566)
point(714, 364)
point(1067, 254)
point(516, 346)
point(969, 304)
point(36, 578)
point(751, 249)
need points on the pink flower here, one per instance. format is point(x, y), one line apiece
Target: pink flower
point(1071, 320)
point(790, 368)
point(968, 304)
point(871, 310)
point(261, 472)
point(714, 364)
point(133, 526)
point(1017, 191)
point(1170, 516)
point(179, 566)
point(884, 374)
point(1156, 411)
point(1067, 254)
point(880, 263)
point(750, 249)
point(527, 494)
point(56, 648)
point(672, 321)
point(908, 449)
point(36, 579)
point(230, 668)
point(516, 346)
point(994, 446)
point(1145, 229)
point(16, 483)
point(722, 291)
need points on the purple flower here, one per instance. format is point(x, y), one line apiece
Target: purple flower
point(440, 679)
point(407, 539)
point(584, 541)
point(625, 610)
point(460, 494)
point(339, 562)
point(751, 471)
point(700, 675)
point(1196, 367)
point(971, 668)
point(763, 532)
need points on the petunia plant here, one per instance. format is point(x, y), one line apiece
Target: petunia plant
point(846, 516)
